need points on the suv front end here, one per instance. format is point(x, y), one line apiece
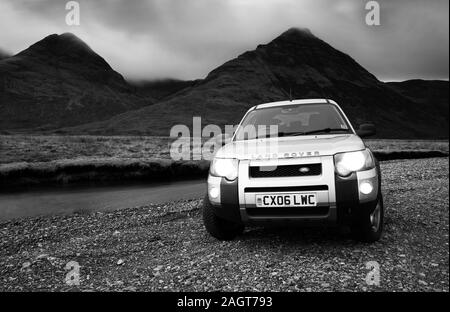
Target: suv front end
point(325, 178)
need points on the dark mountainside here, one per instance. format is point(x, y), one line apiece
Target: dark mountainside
point(3, 54)
point(160, 89)
point(430, 94)
point(60, 81)
point(295, 60)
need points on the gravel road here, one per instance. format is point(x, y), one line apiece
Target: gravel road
point(165, 248)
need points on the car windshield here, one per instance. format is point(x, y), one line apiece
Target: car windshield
point(292, 120)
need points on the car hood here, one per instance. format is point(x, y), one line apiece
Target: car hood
point(291, 147)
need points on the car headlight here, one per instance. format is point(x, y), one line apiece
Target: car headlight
point(224, 167)
point(346, 163)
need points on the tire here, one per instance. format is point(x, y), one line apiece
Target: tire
point(219, 228)
point(368, 225)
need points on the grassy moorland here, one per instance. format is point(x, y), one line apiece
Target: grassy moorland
point(42, 148)
point(36, 159)
point(39, 159)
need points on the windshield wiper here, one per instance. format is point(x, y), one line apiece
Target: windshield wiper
point(282, 134)
point(326, 130)
point(265, 136)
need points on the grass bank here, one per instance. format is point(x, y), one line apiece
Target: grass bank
point(64, 172)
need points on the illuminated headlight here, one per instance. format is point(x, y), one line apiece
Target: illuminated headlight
point(224, 167)
point(346, 163)
point(366, 187)
point(214, 192)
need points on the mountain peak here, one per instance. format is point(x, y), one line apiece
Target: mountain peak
point(61, 44)
point(295, 33)
point(66, 47)
point(69, 37)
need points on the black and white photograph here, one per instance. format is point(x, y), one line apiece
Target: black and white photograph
point(224, 151)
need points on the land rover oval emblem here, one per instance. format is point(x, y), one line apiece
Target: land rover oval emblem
point(304, 169)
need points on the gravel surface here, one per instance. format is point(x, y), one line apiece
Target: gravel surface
point(165, 247)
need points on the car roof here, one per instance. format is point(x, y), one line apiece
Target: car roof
point(295, 102)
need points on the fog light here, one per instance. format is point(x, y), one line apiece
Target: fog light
point(366, 188)
point(214, 192)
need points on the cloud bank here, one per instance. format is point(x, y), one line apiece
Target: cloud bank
point(185, 39)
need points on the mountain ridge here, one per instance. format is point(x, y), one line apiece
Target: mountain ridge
point(295, 62)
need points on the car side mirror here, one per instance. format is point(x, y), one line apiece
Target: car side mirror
point(223, 139)
point(366, 130)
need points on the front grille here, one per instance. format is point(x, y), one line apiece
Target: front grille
point(285, 171)
point(274, 189)
point(288, 211)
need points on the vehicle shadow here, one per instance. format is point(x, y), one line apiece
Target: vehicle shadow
point(295, 235)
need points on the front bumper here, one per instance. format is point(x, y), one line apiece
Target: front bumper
point(338, 198)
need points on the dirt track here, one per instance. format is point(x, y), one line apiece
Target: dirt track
point(164, 247)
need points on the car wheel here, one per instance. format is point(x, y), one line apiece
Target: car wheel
point(219, 228)
point(368, 225)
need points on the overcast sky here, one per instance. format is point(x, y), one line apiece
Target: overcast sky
point(147, 39)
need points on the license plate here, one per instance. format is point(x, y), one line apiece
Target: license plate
point(286, 200)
